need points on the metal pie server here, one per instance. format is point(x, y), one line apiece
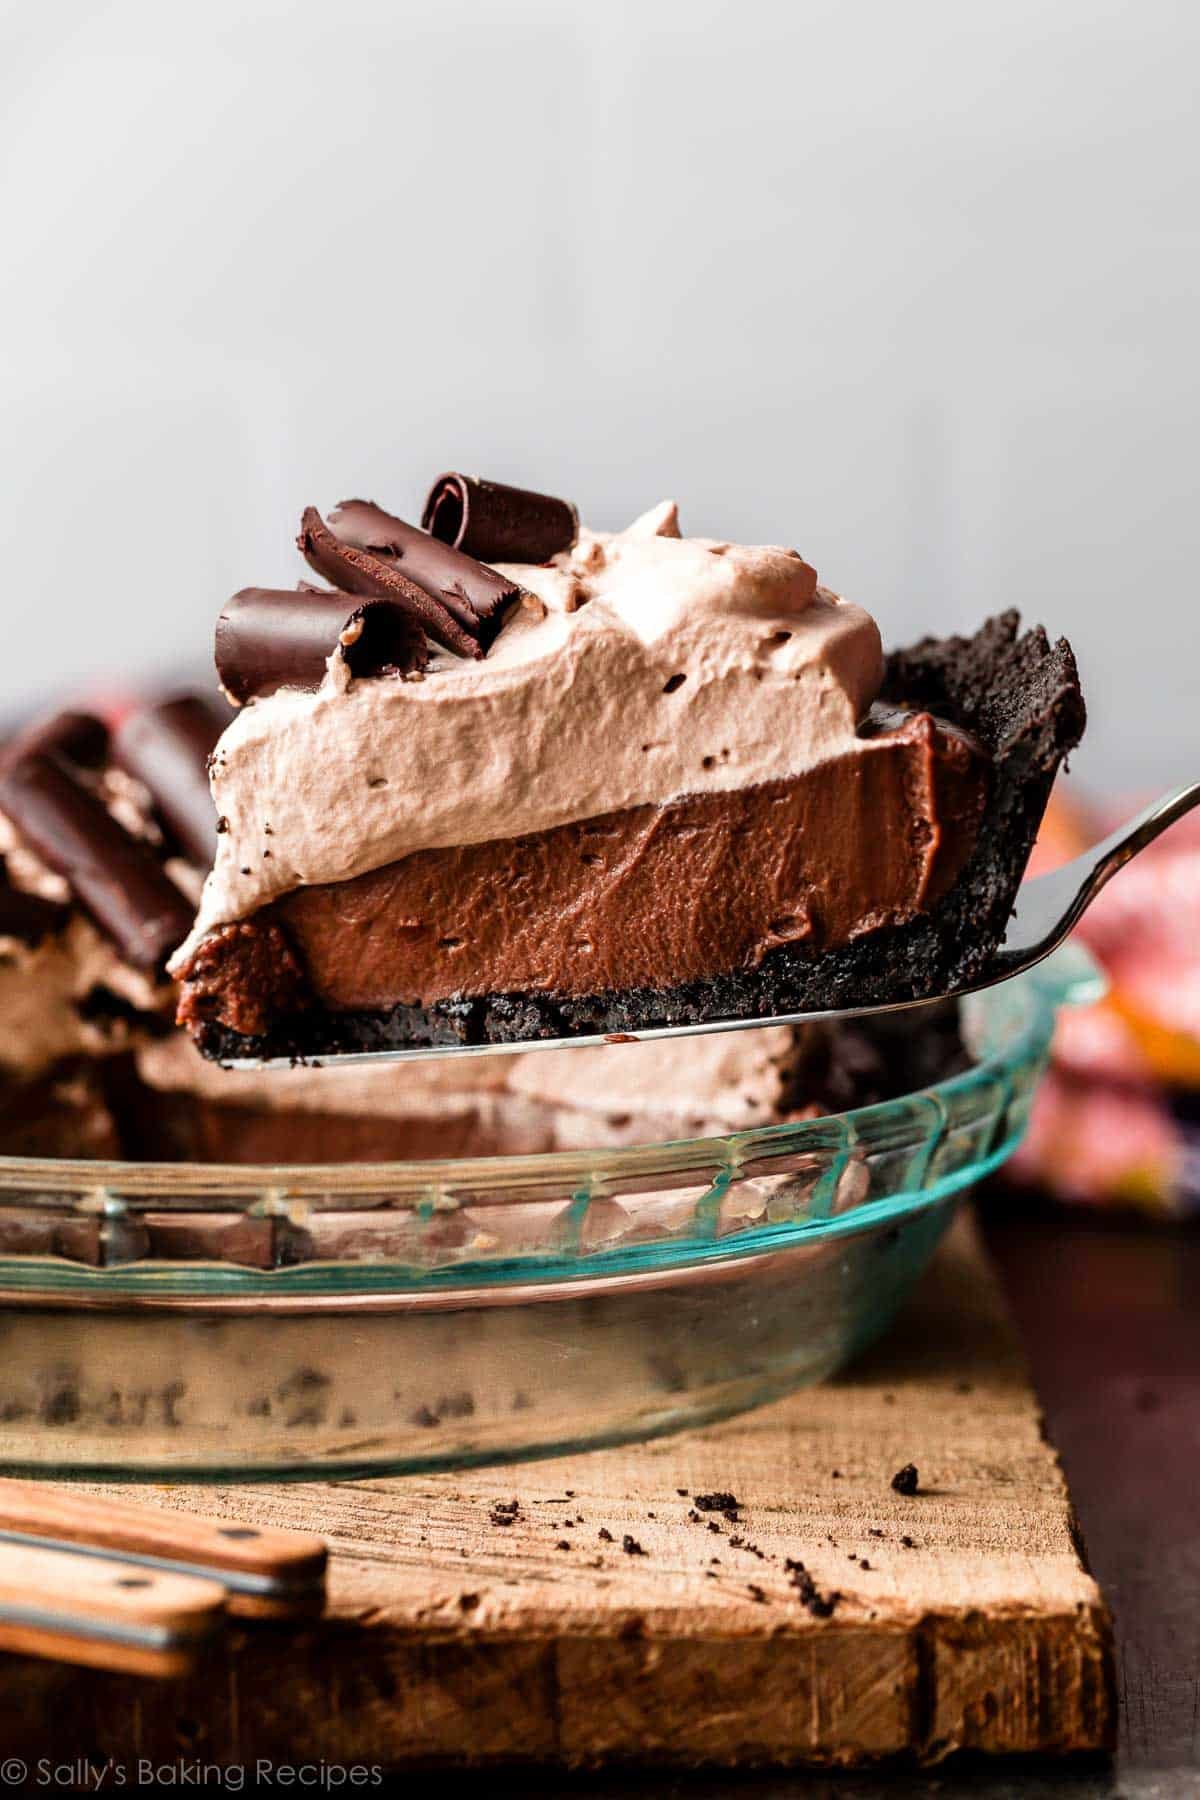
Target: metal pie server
point(1047, 909)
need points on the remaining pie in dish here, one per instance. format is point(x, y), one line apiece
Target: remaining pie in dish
point(104, 840)
point(173, 1103)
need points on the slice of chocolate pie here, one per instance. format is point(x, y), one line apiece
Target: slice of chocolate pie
point(602, 782)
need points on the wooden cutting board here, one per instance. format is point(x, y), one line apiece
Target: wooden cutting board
point(608, 1614)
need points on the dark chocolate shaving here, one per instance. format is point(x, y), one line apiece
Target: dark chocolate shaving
point(271, 638)
point(28, 917)
point(358, 571)
point(79, 736)
point(476, 596)
point(115, 877)
point(166, 747)
point(497, 523)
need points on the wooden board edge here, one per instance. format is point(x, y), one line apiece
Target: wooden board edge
point(841, 1695)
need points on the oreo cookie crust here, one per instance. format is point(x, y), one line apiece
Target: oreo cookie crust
point(1017, 695)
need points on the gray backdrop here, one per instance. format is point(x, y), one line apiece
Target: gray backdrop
point(911, 286)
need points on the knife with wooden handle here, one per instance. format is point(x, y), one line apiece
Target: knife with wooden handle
point(265, 1573)
point(103, 1613)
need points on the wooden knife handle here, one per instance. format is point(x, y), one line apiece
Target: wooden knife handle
point(105, 1614)
point(268, 1573)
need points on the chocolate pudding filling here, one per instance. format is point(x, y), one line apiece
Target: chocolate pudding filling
point(655, 894)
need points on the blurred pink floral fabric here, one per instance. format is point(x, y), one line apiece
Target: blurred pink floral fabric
point(1118, 1120)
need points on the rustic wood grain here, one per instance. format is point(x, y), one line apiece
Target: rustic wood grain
point(453, 1637)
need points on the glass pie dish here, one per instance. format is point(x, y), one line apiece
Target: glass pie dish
point(187, 1321)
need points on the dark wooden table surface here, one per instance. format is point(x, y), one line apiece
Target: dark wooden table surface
point(1110, 1314)
point(1111, 1320)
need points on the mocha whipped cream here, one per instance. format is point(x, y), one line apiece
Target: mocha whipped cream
point(642, 667)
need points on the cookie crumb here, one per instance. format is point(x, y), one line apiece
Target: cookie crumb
point(718, 1502)
point(906, 1480)
point(821, 1606)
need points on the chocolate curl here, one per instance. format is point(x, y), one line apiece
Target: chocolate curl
point(271, 638)
point(477, 597)
point(115, 877)
point(498, 523)
point(166, 747)
point(28, 917)
point(81, 737)
point(351, 568)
